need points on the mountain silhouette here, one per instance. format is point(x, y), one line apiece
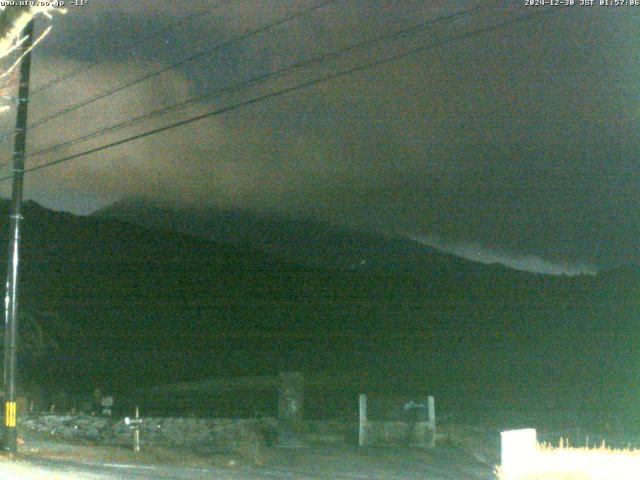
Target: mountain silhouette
point(146, 306)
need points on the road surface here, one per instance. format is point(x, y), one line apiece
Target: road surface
point(303, 464)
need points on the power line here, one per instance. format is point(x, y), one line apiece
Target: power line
point(259, 79)
point(174, 107)
point(300, 86)
point(173, 66)
point(143, 41)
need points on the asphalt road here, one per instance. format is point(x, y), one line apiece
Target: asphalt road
point(366, 469)
point(44, 457)
point(63, 470)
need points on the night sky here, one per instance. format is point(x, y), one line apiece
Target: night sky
point(518, 144)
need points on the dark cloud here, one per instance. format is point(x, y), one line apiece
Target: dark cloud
point(522, 140)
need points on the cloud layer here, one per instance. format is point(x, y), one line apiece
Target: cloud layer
point(523, 139)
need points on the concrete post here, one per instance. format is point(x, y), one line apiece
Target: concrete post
point(290, 406)
point(291, 396)
point(362, 431)
point(431, 419)
point(422, 428)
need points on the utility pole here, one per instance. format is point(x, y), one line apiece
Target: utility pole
point(11, 298)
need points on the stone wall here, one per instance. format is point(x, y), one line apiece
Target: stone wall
point(207, 435)
point(192, 433)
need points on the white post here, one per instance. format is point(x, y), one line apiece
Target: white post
point(431, 419)
point(518, 450)
point(362, 432)
point(136, 432)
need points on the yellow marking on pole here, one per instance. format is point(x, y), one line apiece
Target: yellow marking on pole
point(10, 414)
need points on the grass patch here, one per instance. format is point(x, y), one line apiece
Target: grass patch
point(569, 463)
